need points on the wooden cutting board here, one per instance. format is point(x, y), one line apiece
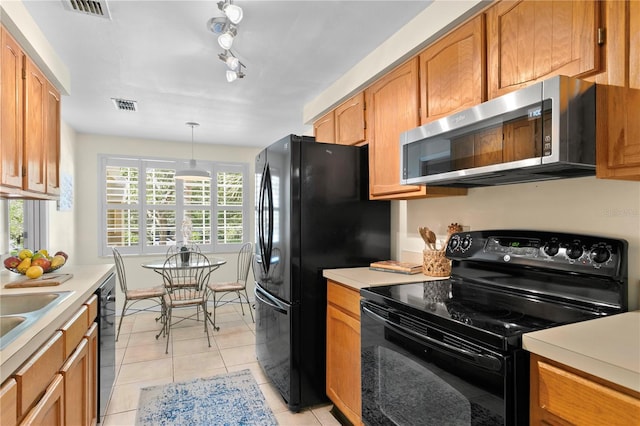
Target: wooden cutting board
point(44, 281)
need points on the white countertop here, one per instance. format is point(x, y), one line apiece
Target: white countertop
point(359, 278)
point(85, 280)
point(607, 347)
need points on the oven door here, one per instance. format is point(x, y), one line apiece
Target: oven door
point(413, 374)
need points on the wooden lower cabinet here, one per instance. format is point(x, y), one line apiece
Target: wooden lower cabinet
point(9, 403)
point(92, 340)
point(49, 410)
point(76, 373)
point(561, 395)
point(343, 350)
point(57, 385)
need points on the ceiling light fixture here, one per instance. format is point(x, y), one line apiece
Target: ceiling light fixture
point(192, 173)
point(225, 40)
point(233, 12)
point(232, 62)
point(234, 75)
point(226, 28)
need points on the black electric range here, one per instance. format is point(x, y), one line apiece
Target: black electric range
point(503, 283)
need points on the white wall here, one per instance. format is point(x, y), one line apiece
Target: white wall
point(86, 203)
point(62, 229)
point(583, 205)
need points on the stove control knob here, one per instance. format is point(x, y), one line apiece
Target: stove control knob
point(552, 248)
point(465, 243)
point(574, 250)
point(454, 243)
point(600, 254)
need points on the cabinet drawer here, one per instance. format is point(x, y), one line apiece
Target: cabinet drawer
point(74, 330)
point(34, 376)
point(579, 400)
point(50, 409)
point(9, 403)
point(92, 305)
point(345, 298)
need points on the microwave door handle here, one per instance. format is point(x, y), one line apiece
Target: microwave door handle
point(489, 362)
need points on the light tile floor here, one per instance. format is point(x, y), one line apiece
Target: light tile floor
point(141, 361)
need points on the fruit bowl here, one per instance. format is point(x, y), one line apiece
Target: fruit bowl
point(34, 264)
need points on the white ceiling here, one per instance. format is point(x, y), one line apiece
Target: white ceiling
point(161, 54)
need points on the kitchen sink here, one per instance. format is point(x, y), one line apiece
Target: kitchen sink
point(19, 311)
point(9, 323)
point(22, 303)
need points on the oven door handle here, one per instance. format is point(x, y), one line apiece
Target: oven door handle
point(489, 362)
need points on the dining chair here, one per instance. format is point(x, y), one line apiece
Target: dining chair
point(133, 296)
point(186, 287)
point(237, 289)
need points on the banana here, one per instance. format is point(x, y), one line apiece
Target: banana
point(24, 265)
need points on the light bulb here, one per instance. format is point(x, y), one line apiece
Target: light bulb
point(226, 40)
point(234, 13)
point(231, 76)
point(233, 63)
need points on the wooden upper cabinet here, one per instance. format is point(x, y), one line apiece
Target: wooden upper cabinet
point(52, 139)
point(324, 129)
point(529, 40)
point(345, 125)
point(11, 106)
point(618, 95)
point(392, 108)
point(350, 121)
point(452, 72)
point(30, 126)
point(35, 146)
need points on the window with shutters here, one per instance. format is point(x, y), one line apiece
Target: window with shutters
point(145, 209)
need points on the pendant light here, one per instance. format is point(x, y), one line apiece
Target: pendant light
point(192, 173)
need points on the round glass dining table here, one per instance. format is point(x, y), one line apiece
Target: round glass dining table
point(160, 265)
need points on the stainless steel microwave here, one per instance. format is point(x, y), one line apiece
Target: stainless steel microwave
point(540, 132)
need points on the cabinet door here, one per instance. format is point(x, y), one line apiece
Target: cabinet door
point(52, 140)
point(92, 341)
point(11, 106)
point(50, 409)
point(618, 95)
point(530, 40)
point(324, 129)
point(452, 72)
point(349, 121)
point(9, 403)
point(392, 108)
point(35, 148)
point(343, 362)
point(76, 373)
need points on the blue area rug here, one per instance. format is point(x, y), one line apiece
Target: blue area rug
point(227, 399)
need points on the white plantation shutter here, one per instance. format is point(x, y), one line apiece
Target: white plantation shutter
point(145, 209)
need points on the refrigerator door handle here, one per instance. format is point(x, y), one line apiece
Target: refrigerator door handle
point(269, 301)
point(266, 176)
point(269, 189)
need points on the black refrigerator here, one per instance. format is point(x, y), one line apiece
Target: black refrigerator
point(312, 213)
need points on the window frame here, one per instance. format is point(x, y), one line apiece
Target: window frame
point(142, 163)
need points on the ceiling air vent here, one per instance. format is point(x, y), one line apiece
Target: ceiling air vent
point(97, 8)
point(125, 105)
